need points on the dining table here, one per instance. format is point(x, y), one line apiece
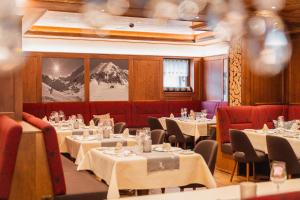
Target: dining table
point(79, 145)
point(259, 142)
point(131, 168)
point(231, 192)
point(192, 127)
point(65, 131)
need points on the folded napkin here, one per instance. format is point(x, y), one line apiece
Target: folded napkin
point(126, 132)
point(92, 123)
point(172, 116)
point(295, 126)
point(265, 127)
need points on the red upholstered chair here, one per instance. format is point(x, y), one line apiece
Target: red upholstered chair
point(36, 109)
point(10, 136)
point(70, 108)
point(53, 155)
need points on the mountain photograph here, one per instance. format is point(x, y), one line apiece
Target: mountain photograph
point(62, 80)
point(108, 80)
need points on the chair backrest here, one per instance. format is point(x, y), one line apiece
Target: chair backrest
point(10, 136)
point(53, 154)
point(212, 132)
point(279, 149)
point(208, 150)
point(241, 143)
point(119, 127)
point(154, 123)
point(157, 136)
point(173, 129)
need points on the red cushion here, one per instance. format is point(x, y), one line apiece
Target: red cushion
point(267, 113)
point(235, 117)
point(70, 108)
point(175, 106)
point(140, 111)
point(294, 112)
point(120, 111)
point(53, 155)
point(10, 136)
point(36, 109)
point(284, 196)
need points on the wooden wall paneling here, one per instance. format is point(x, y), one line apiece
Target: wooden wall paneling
point(30, 80)
point(198, 79)
point(146, 81)
point(12, 95)
point(294, 71)
point(213, 80)
point(260, 89)
point(148, 68)
point(268, 89)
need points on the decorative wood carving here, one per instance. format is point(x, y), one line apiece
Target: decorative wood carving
point(235, 73)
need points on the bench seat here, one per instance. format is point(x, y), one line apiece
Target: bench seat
point(81, 185)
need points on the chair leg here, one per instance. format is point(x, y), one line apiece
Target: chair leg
point(232, 174)
point(254, 174)
point(163, 190)
point(247, 171)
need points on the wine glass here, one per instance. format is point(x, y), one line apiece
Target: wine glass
point(61, 115)
point(278, 173)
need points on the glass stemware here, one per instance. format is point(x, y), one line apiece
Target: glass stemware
point(278, 173)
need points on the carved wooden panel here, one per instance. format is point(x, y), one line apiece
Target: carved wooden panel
point(235, 73)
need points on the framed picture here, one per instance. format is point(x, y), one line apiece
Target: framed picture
point(108, 80)
point(62, 80)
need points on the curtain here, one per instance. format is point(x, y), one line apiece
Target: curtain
point(176, 72)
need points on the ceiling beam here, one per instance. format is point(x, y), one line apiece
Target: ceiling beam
point(109, 34)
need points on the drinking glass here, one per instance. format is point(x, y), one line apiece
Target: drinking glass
point(278, 173)
point(182, 113)
point(185, 112)
point(61, 115)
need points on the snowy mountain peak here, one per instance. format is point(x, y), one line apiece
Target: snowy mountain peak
point(109, 73)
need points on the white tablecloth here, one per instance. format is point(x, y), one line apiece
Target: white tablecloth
point(131, 172)
point(194, 128)
point(78, 148)
point(62, 133)
point(259, 142)
point(226, 193)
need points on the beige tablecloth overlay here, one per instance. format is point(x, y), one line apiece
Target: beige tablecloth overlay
point(259, 142)
point(78, 148)
point(194, 128)
point(131, 172)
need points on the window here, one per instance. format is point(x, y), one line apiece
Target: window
point(176, 75)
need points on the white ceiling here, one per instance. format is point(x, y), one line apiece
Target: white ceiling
point(76, 20)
